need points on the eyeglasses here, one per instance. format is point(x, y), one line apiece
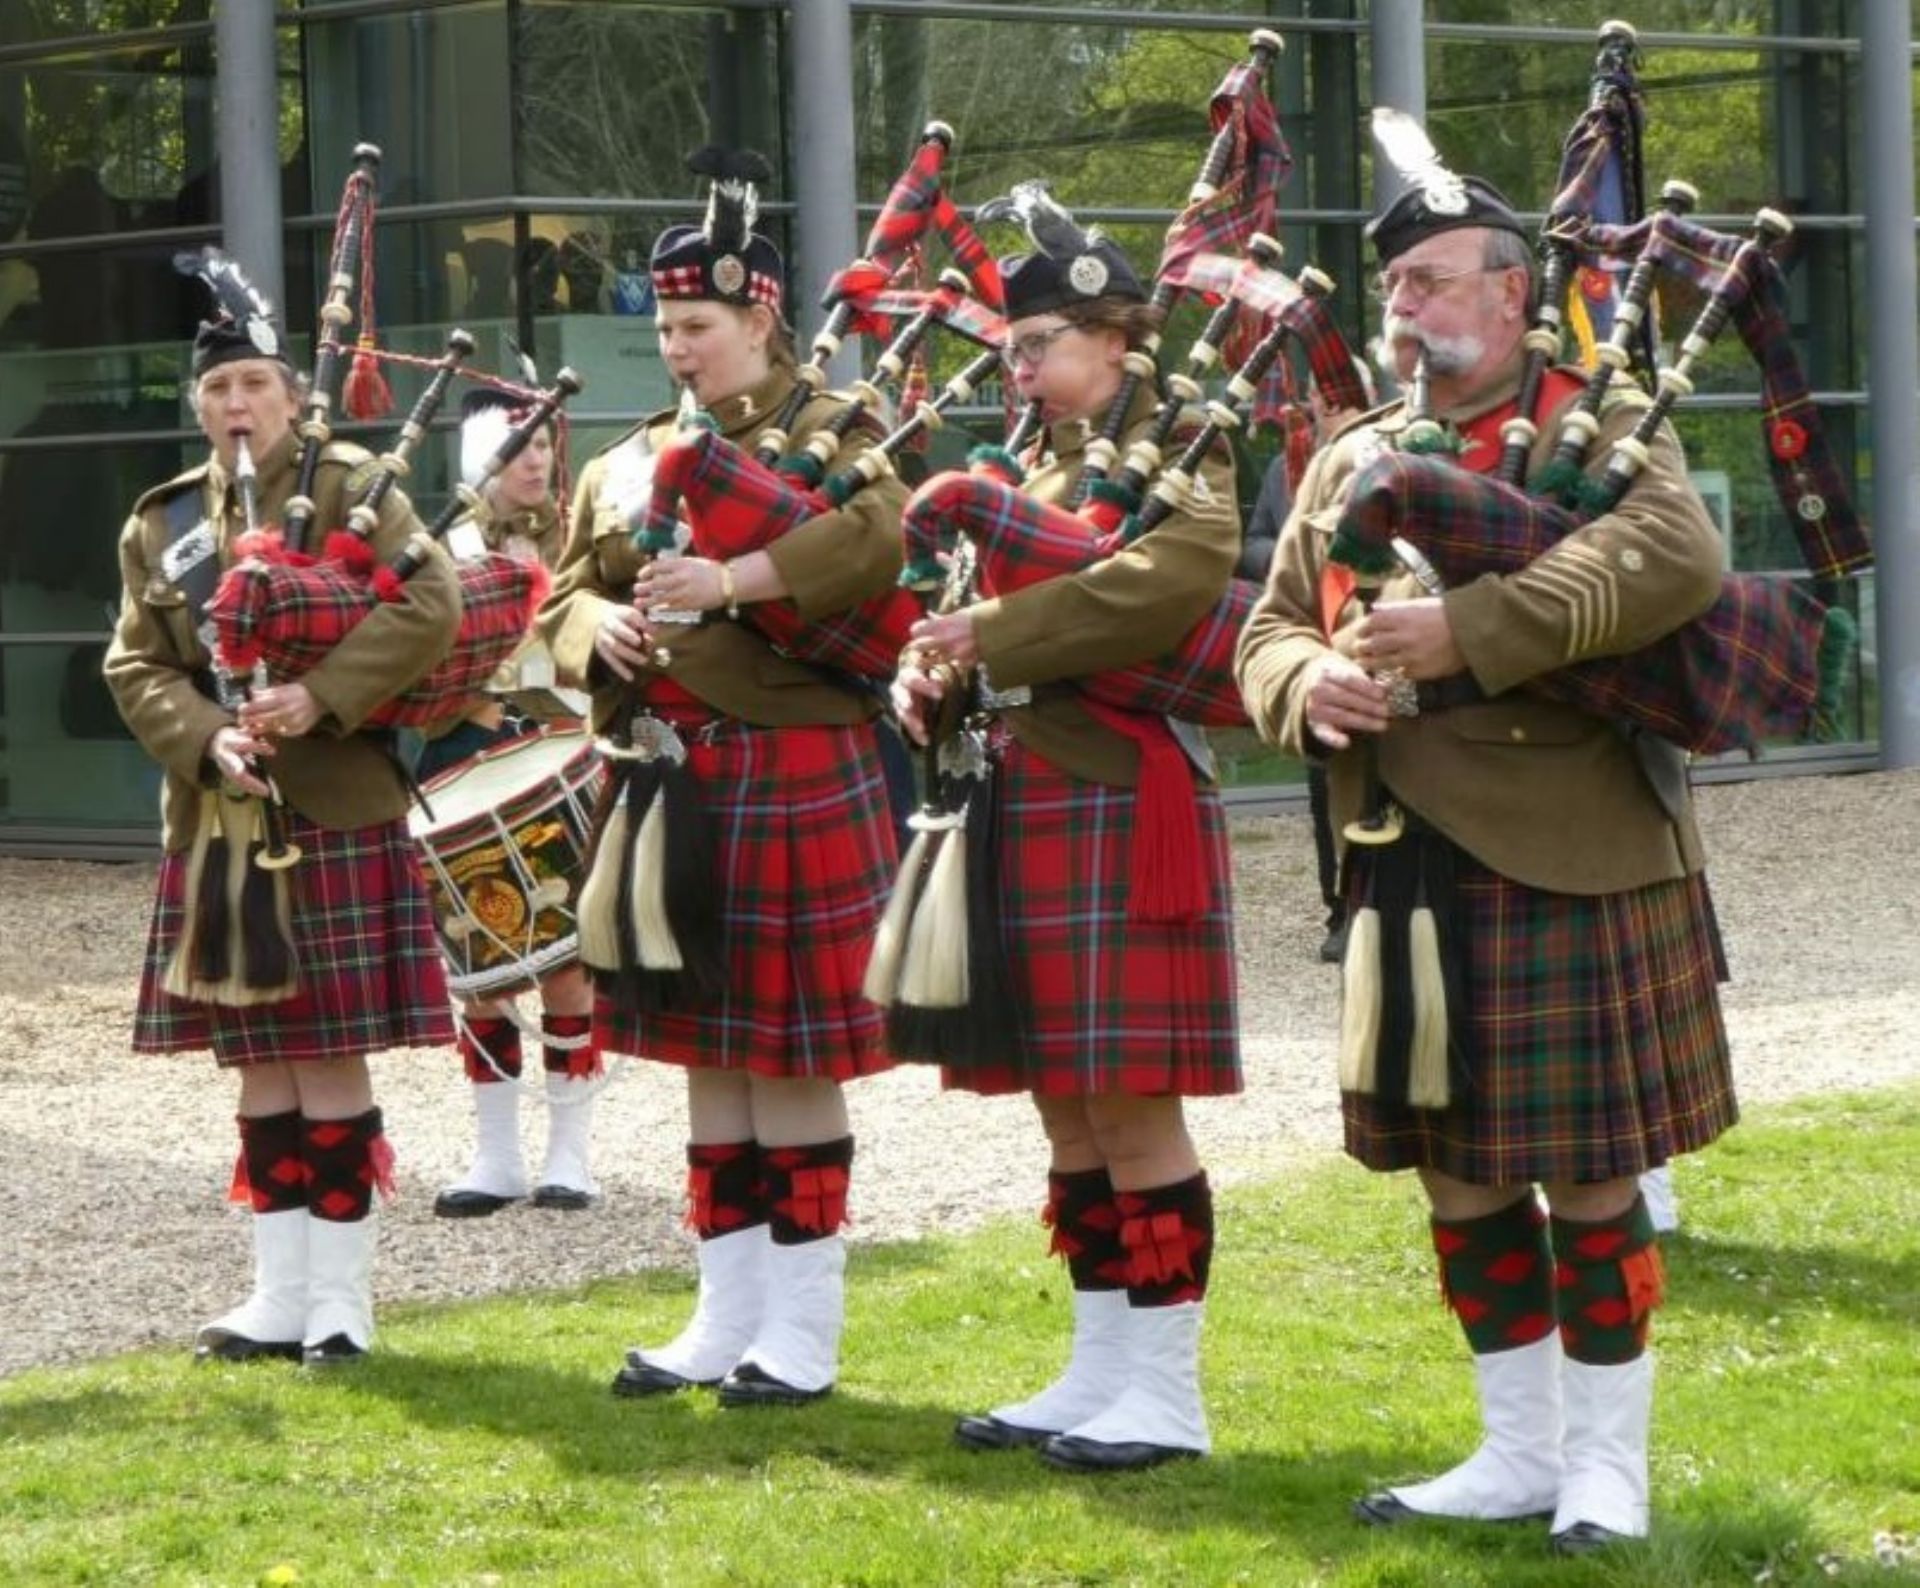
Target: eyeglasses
point(1032, 347)
point(1418, 282)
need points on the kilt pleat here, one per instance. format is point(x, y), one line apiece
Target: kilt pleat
point(1599, 1046)
point(806, 858)
point(363, 934)
point(1105, 1003)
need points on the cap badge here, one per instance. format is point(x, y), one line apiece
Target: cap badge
point(1087, 275)
point(729, 273)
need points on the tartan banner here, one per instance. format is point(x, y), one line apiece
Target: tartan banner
point(1247, 196)
point(1022, 542)
point(1819, 506)
point(1745, 670)
point(1277, 296)
point(292, 614)
point(735, 504)
point(1602, 180)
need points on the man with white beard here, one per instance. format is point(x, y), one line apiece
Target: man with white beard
point(1564, 872)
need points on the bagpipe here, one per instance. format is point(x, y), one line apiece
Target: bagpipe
point(938, 966)
point(1019, 541)
point(1756, 664)
point(281, 608)
point(649, 924)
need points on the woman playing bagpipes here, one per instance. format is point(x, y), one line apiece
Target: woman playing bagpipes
point(1110, 873)
point(521, 519)
point(794, 850)
point(1531, 989)
point(290, 973)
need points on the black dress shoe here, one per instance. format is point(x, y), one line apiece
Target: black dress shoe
point(748, 1385)
point(1384, 1508)
point(220, 1345)
point(337, 1350)
point(1072, 1453)
point(640, 1377)
point(469, 1204)
point(1586, 1538)
point(987, 1432)
point(563, 1197)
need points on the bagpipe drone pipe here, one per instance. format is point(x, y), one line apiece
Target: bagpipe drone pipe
point(1749, 668)
point(1019, 541)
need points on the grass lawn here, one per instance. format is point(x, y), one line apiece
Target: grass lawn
point(480, 1445)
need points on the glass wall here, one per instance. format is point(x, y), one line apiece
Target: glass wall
point(533, 150)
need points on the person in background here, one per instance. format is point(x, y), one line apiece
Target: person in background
point(522, 520)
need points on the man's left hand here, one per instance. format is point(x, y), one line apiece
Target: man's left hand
point(1412, 636)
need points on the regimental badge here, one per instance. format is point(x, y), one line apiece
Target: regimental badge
point(260, 334)
point(729, 273)
point(188, 552)
point(1087, 275)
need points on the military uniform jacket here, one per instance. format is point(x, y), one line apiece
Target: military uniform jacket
point(1538, 791)
point(829, 564)
point(1129, 608)
point(333, 775)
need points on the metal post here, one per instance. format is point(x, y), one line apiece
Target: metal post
point(247, 121)
point(1399, 77)
point(821, 39)
point(1893, 370)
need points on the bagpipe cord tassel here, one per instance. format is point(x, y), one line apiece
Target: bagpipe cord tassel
point(1427, 1064)
point(598, 915)
point(655, 946)
point(266, 937)
point(1361, 996)
point(933, 973)
point(890, 941)
point(209, 926)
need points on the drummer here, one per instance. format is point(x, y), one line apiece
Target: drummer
point(521, 519)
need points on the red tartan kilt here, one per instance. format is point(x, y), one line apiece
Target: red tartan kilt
point(363, 934)
point(1023, 542)
point(1598, 1044)
point(1105, 1003)
point(807, 858)
point(293, 615)
point(1745, 670)
point(735, 504)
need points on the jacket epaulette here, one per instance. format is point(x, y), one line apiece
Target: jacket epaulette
point(169, 489)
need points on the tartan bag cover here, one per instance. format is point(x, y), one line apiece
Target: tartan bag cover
point(1023, 542)
point(292, 614)
point(736, 504)
point(1806, 477)
point(1744, 670)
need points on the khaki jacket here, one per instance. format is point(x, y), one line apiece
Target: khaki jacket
point(334, 775)
point(1539, 792)
point(829, 564)
point(1134, 606)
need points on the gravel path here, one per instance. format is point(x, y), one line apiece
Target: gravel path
point(112, 1167)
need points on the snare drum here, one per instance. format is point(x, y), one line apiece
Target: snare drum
point(505, 853)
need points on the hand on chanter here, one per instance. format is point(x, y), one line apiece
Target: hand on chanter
point(624, 642)
point(232, 751)
point(1413, 638)
point(279, 711)
point(1342, 701)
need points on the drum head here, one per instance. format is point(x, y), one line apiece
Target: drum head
point(496, 777)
